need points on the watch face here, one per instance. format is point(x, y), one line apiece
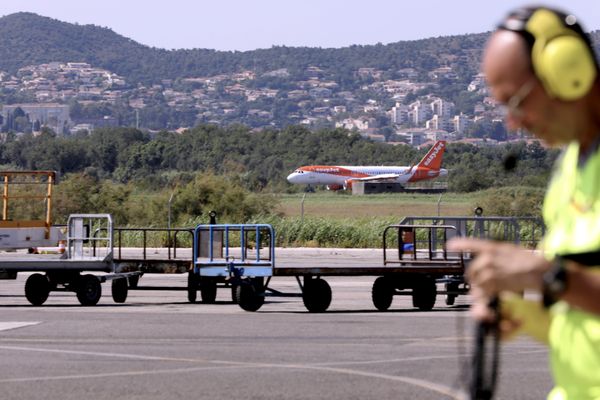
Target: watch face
point(557, 286)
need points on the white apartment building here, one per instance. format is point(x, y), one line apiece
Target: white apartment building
point(419, 113)
point(399, 114)
point(443, 108)
point(460, 122)
point(438, 123)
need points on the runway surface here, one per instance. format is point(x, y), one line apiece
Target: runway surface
point(159, 346)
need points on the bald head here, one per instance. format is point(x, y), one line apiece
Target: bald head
point(507, 59)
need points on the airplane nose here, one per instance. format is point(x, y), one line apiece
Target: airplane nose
point(292, 178)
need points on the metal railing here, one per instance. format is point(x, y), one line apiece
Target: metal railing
point(527, 231)
point(172, 240)
point(416, 247)
point(221, 249)
point(81, 244)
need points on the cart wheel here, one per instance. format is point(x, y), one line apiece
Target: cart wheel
point(133, 281)
point(234, 293)
point(424, 294)
point(119, 290)
point(192, 287)
point(316, 295)
point(37, 289)
point(450, 298)
point(382, 293)
point(89, 290)
point(208, 290)
point(250, 295)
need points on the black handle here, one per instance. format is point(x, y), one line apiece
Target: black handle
point(486, 357)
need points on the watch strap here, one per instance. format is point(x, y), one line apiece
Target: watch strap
point(554, 282)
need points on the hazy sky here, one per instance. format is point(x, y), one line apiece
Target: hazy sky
point(252, 24)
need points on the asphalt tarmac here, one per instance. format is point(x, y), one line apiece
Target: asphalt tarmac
point(159, 346)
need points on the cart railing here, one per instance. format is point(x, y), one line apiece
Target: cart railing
point(157, 239)
point(234, 249)
point(526, 231)
point(82, 241)
point(419, 244)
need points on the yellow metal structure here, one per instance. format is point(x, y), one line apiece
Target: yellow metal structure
point(27, 196)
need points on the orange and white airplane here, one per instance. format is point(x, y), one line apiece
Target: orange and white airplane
point(342, 177)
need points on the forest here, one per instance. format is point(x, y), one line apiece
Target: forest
point(259, 161)
point(147, 180)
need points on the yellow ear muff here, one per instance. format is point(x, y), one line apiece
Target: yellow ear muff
point(561, 58)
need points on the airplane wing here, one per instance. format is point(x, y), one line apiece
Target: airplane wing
point(380, 177)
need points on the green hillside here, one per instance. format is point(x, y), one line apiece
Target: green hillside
point(28, 39)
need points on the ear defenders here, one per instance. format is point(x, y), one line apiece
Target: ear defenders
point(562, 59)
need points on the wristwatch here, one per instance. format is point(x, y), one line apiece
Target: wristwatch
point(554, 282)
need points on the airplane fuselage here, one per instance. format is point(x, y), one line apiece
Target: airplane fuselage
point(343, 176)
point(339, 175)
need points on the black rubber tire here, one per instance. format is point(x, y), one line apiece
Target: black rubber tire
point(37, 289)
point(250, 294)
point(234, 293)
point(382, 293)
point(316, 295)
point(451, 298)
point(89, 290)
point(133, 281)
point(208, 290)
point(424, 294)
point(192, 287)
point(119, 289)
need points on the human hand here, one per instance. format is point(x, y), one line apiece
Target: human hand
point(499, 266)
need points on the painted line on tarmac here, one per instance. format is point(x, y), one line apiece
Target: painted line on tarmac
point(8, 325)
point(118, 374)
point(103, 354)
point(435, 387)
point(424, 358)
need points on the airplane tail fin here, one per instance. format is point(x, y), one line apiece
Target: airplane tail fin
point(433, 158)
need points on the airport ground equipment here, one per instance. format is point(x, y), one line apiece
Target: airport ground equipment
point(27, 210)
point(96, 252)
point(415, 261)
point(241, 257)
point(417, 248)
point(238, 255)
point(69, 271)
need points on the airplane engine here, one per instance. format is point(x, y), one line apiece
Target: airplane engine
point(348, 184)
point(335, 187)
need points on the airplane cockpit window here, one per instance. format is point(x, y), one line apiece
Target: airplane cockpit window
point(298, 171)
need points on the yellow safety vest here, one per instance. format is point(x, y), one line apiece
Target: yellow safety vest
point(572, 216)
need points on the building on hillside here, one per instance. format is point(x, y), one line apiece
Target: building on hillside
point(438, 123)
point(353, 123)
point(461, 122)
point(419, 113)
point(53, 115)
point(399, 114)
point(433, 135)
point(414, 136)
point(444, 109)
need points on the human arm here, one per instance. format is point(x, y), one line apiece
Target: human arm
point(500, 266)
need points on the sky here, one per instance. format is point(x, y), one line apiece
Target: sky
point(252, 24)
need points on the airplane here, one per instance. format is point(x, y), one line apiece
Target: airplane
point(341, 177)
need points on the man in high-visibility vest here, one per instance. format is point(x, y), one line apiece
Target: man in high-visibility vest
point(540, 65)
